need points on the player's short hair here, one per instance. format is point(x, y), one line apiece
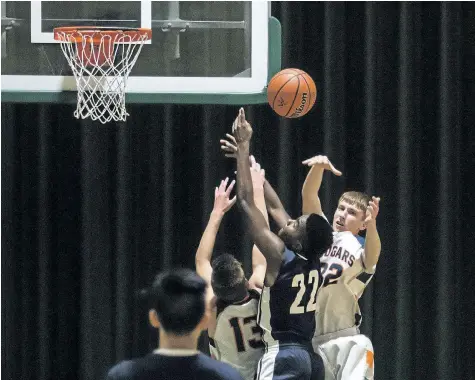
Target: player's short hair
point(178, 297)
point(228, 280)
point(356, 198)
point(319, 235)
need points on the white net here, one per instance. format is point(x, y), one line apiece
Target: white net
point(101, 64)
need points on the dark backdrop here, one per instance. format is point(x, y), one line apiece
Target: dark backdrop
point(91, 212)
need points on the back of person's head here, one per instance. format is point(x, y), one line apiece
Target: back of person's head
point(178, 297)
point(228, 280)
point(356, 198)
point(319, 235)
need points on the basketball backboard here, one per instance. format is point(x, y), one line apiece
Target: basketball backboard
point(200, 52)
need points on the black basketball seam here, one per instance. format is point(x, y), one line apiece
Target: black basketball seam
point(277, 93)
point(295, 97)
point(281, 73)
point(310, 93)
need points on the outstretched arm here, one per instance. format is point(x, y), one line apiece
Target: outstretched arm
point(222, 204)
point(269, 244)
point(311, 186)
point(372, 247)
point(259, 263)
point(273, 204)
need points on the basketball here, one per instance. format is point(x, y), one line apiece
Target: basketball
point(291, 93)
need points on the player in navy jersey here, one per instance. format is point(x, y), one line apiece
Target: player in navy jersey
point(179, 310)
point(288, 301)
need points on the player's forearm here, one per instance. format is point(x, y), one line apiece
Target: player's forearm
point(271, 198)
point(260, 202)
point(245, 193)
point(311, 186)
point(205, 249)
point(372, 247)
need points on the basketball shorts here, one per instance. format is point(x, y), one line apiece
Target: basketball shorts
point(347, 358)
point(290, 361)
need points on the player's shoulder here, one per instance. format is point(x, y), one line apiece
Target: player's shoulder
point(216, 370)
point(123, 370)
point(347, 238)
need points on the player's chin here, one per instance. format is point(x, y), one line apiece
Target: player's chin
point(339, 228)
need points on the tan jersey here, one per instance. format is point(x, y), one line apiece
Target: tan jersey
point(345, 279)
point(237, 338)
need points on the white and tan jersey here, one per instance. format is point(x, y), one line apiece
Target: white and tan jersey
point(345, 279)
point(237, 338)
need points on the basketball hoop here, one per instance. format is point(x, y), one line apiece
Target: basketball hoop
point(101, 59)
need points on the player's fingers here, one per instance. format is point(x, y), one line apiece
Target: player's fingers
point(334, 170)
point(222, 186)
point(228, 144)
point(231, 137)
point(215, 192)
point(232, 201)
point(242, 115)
point(263, 172)
point(307, 161)
point(228, 149)
point(252, 160)
point(230, 187)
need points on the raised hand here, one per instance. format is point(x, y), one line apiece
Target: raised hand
point(372, 211)
point(222, 203)
point(229, 146)
point(258, 174)
point(323, 162)
point(242, 130)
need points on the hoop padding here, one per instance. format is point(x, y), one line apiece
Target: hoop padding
point(101, 61)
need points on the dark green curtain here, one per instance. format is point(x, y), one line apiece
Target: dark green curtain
point(90, 212)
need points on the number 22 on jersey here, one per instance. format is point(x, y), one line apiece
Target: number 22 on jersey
point(299, 282)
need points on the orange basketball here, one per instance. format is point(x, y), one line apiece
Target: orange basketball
point(291, 93)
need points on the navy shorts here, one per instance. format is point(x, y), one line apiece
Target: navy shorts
point(290, 361)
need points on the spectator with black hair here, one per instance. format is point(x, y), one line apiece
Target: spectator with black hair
point(178, 309)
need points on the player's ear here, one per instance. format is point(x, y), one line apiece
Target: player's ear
point(153, 318)
point(297, 247)
point(203, 325)
point(363, 226)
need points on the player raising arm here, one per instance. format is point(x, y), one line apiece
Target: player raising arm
point(288, 300)
point(233, 333)
point(347, 267)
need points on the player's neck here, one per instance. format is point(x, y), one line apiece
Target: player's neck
point(170, 341)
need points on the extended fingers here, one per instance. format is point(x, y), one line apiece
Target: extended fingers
point(230, 187)
point(334, 170)
point(242, 115)
point(222, 186)
point(231, 137)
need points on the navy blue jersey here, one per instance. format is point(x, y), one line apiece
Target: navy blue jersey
point(169, 367)
point(287, 308)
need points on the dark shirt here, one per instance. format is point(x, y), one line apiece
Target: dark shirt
point(164, 367)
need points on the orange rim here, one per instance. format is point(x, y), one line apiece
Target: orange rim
point(96, 33)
